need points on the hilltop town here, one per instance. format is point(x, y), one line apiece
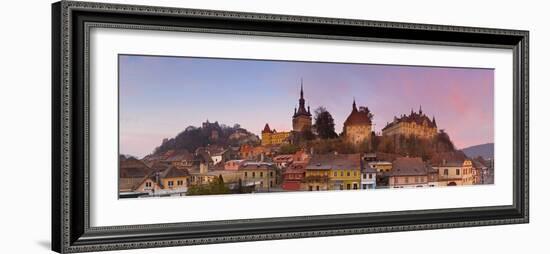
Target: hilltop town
point(410, 152)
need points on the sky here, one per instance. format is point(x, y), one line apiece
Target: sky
point(160, 96)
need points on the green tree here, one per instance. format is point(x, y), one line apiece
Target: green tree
point(324, 124)
point(288, 149)
point(216, 186)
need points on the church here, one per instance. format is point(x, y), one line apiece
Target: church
point(358, 125)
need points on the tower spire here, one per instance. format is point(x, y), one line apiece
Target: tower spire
point(302, 102)
point(354, 106)
point(420, 111)
point(301, 88)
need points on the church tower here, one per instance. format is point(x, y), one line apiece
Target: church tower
point(301, 120)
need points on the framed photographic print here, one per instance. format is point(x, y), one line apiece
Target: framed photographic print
point(181, 126)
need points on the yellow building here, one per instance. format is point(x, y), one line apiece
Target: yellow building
point(168, 181)
point(262, 175)
point(175, 178)
point(333, 172)
point(358, 125)
point(453, 173)
point(346, 172)
point(316, 178)
point(272, 137)
point(414, 124)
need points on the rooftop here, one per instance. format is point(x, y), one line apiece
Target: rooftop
point(334, 161)
point(409, 166)
point(358, 117)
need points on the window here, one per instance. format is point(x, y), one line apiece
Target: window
point(355, 186)
point(270, 184)
point(446, 172)
point(271, 174)
point(148, 184)
point(170, 183)
point(364, 186)
point(364, 176)
point(354, 173)
point(261, 174)
point(348, 173)
point(253, 174)
point(370, 176)
point(317, 187)
point(458, 172)
point(310, 188)
point(245, 174)
point(335, 173)
point(341, 172)
point(180, 182)
point(341, 187)
point(348, 186)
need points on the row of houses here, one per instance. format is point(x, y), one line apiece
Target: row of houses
point(301, 171)
point(351, 171)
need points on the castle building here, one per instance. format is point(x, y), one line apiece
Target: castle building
point(414, 124)
point(358, 125)
point(301, 120)
point(272, 137)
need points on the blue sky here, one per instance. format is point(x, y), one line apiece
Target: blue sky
point(161, 96)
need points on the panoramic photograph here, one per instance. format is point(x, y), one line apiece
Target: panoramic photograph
point(193, 126)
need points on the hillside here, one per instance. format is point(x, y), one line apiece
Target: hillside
point(485, 150)
point(208, 134)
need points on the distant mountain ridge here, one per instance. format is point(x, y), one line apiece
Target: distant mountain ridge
point(485, 150)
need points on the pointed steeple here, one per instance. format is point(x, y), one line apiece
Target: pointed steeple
point(308, 109)
point(433, 120)
point(420, 111)
point(301, 88)
point(266, 129)
point(354, 106)
point(302, 102)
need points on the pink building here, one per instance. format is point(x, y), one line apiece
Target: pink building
point(233, 165)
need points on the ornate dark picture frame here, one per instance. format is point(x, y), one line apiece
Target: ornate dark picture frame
point(71, 22)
